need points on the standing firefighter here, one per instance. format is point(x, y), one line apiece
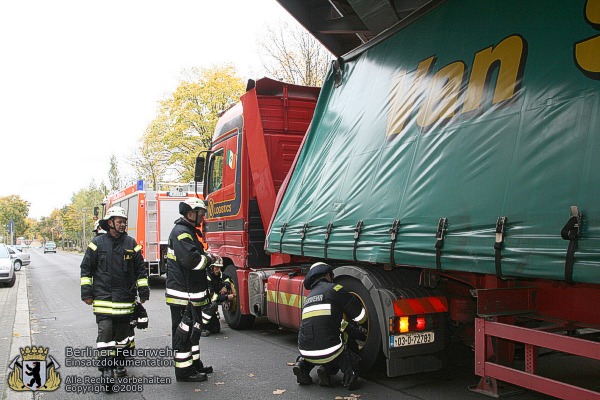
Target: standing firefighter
point(112, 273)
point(324, 331)
point(187, 290)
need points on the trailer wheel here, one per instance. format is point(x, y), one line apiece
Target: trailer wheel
point(370, 352)
point(231, 309)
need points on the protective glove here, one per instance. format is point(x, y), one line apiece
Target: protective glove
point(142, 316)
point(144, 293)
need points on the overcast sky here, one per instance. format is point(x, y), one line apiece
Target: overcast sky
point(80, 80)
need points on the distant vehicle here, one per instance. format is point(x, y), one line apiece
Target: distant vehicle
point(7, 270)
point(19, 257)
point(50, 247)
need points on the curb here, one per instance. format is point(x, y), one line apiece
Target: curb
point(21, 332)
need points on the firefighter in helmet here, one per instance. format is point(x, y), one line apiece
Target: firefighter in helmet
point(98, 230)
point(187, 290)
point(324, 331)
point(219, 288)
point(112, 274)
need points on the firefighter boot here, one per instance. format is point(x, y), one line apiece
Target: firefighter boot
point(350, 380)
point(324, 377)
point(301, 371)
point(108, 379)
point(195, 377)
point(202, 369)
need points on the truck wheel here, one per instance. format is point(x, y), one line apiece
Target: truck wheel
point(370, 352)
point(231, 311)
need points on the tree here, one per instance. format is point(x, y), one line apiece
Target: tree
point(114, 177)
point(291, 54)
point(189, 116)
point(151, 161)
point(15, 208)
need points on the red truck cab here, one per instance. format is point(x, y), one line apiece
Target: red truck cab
point(240, 191)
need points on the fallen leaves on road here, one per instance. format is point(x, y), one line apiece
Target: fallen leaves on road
point(351, 397)
point(219, 383)
point(251, 375)
point(291, 364)
point(279, 391)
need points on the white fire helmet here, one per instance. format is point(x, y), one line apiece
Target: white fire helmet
point(190, 204)
point(115, 212)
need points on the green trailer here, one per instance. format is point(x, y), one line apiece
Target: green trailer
point(475, 119)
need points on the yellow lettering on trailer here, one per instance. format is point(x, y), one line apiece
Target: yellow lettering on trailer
point(405, 96)
point(508, 55)
point(438, 97)
point(443, 99)
point(587, 52)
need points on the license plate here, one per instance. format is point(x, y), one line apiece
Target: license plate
point(412, 339)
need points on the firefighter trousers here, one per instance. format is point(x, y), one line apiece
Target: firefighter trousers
point(348, 362)
point(115, 337)
point(187, 353)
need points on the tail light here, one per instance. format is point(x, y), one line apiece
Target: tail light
point(413, 323)
point(417, 314)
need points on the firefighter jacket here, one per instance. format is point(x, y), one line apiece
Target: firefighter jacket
point(111, 271)
point(216, 283)
point(320, 338)
point(186, 267)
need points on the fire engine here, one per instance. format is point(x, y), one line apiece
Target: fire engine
point(150, 217)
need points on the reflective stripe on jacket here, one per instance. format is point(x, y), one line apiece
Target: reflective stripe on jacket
point(186, 267)
point(320, 338)
point(112, 272)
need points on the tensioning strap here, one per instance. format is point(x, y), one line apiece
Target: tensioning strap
point(283, 228)
point(571, 232)
point(439, 241)
point(499, 244)
point(357, 231)
point(327, 234)
point(302, 236)
point(393, 234)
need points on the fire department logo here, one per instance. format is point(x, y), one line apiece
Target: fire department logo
point(36, 371)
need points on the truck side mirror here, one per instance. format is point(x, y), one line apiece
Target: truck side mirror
point(199, 170)
point(96, 211)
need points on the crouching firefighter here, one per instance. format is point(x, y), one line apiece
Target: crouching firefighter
point(322, 340)
point(219, 289)
point(112, 273)
point(187, 290)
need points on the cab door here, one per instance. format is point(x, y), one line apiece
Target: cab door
point(223, 193)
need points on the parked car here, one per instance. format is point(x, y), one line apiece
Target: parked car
point(19, 257)
point(7, 270)
point(50, 247)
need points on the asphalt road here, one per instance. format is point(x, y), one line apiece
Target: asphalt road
point(248, 364)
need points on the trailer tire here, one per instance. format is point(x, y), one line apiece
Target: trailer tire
point(232, 314)
point(371, 352)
